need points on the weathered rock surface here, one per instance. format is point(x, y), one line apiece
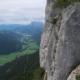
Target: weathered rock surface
point(74, 73)
point(60, 44)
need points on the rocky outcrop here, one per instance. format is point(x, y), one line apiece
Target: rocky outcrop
point(74, 74)
point(60, 44)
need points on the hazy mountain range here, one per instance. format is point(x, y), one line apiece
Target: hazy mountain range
point(11, 35)
point(19, 46)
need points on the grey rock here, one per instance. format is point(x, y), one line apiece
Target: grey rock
point(60, 44)
point(74, 73)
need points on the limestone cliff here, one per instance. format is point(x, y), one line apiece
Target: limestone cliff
point(60, 44)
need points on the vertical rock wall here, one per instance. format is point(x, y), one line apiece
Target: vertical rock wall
point(60, 44)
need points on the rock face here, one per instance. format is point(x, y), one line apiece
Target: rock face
point(60, 44)
point(75, 72)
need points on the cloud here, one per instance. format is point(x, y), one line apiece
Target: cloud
point(21, 11)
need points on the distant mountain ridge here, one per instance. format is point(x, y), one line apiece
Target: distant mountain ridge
point(13, 36)
point(19, 51)
point(18, 26)
point(35, 29)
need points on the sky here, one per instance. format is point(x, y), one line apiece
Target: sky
point(21, 11)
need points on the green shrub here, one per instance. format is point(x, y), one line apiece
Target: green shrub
point(36, 74)
point(77, 77)
point(65, 3)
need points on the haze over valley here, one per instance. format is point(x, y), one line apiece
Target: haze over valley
point(21, 26)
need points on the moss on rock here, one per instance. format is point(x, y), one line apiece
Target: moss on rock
point(78, 77)
point(65, 3)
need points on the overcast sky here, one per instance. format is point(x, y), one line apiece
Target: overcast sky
point(21, 11)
